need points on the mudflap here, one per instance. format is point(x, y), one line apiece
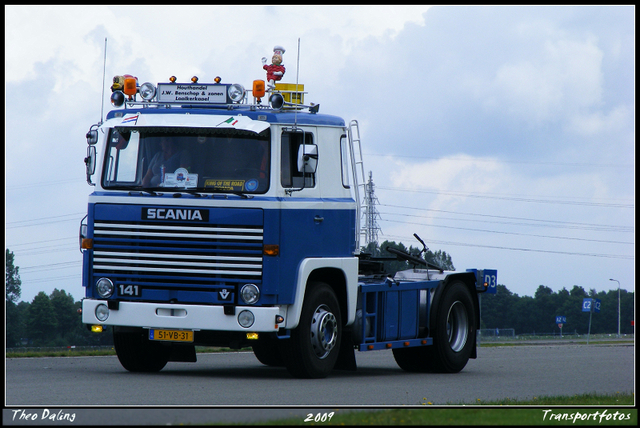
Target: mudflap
point(474, 351)
point(347, 355)
point(183, 354)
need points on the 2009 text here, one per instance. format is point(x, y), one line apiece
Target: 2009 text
point(319, 417)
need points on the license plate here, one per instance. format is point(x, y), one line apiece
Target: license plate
point(171, 335)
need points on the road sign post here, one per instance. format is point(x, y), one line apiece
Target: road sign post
point(591, 306)
point(560, 320)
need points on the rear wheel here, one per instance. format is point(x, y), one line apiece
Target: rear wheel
point(313, 348)
point(137, 353)
point(453, 335)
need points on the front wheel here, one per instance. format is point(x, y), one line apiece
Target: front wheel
point(267, 351)
point(313, 348)
point(137, 353)
point(453, 335)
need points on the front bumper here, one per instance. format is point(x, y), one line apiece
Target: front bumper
point(182, 316)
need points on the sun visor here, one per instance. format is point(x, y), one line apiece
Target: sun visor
point(160, 121)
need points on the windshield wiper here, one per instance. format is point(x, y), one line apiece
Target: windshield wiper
point(179, 193)
point(232, 192)
point(242, 195)
point(151, 192)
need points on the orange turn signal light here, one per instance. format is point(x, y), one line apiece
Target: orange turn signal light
point(271, 250)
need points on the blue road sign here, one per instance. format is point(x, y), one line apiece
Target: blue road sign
point(589, 305)
point(561, 319)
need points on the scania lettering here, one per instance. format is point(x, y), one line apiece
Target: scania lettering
point(172, 214)
point(235, 222)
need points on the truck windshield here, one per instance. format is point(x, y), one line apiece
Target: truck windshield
point(200, 160)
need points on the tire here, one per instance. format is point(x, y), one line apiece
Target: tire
point(138, 354)
point(312, 350)
point(267, 351)
point(454, 326)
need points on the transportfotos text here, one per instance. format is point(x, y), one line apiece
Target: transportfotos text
point(599, 416)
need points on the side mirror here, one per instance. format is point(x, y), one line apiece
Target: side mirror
point(92, 137)
point(90, 162)
point(307, 158)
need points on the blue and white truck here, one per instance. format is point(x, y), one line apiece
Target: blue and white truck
point(229, 217)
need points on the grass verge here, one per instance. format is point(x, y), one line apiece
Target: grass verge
point(502, 412)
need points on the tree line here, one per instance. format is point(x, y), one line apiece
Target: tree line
point(537, 314)
point(54, 320)
point(48, 320)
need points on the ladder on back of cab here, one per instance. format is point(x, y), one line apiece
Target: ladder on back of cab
point(357, 170)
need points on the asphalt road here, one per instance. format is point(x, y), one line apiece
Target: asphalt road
point(235, 387)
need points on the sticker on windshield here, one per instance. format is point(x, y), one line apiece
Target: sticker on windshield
point(225, 185)
point(251, 185)
point(180, 178)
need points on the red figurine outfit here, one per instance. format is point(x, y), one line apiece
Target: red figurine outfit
point(272, 69)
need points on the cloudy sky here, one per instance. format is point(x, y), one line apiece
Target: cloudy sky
point(501, 135)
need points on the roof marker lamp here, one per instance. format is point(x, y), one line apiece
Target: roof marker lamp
point(194, 79)
point(172, 79)
point(147, 91)
point(236, 92)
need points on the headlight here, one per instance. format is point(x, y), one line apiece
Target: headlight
point(236, 92)
point(104, 287)
point(250, 293)
point(246, 319)
point(147, 91)
point(102, 312)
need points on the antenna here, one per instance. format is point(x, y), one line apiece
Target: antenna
point(104, 69)
point(295, 114)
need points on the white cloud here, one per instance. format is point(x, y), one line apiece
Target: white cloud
point(566, 77)
point(600, 122)
point(452, 177)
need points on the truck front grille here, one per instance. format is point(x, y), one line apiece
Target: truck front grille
point(185, 257)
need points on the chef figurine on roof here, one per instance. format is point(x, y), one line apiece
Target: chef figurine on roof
point(275, 71)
